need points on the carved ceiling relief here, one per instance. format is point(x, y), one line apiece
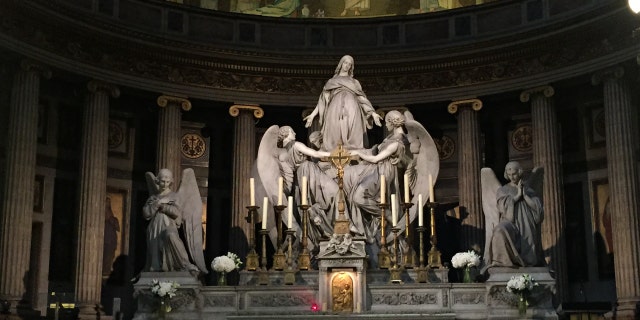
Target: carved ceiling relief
point(144, 61)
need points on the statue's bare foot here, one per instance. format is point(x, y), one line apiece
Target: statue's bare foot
point(344, 13)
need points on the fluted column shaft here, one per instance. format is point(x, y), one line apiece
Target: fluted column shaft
point(92, 193)
point(469, 164)
point(169, 131)
point(622, 160)
point(20, 171)
point(547, 154)
point(244, 142)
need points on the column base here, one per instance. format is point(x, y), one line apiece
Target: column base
point(627, 309)
point(16, 309)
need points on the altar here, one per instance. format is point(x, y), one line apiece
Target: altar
point(347, 224)
point(380, 299)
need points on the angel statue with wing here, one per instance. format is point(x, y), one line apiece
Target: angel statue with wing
point(412, 155)
point(280, 155)
point(513, 215)
point(167, 211)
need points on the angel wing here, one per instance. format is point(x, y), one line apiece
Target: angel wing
point(267, 169)
point(151, 183)
point(189, 196)
point(535, 181)
point(490, 185)
point(425, 161)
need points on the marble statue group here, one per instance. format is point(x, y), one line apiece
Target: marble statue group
point(406, 157)
point(395, 171)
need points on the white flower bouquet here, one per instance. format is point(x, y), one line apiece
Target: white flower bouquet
point(226, 263)
point(522, 284)
point(164, 288)
point(465, 259)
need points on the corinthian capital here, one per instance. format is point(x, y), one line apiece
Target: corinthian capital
point(235, 109)
point(182, 101)
point(34, 66)
point(474, 103)
point(615, 72)
point(97, 85)
point(547, 91)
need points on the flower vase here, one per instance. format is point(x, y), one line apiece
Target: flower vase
point(466, 275)
point(522, 305)
point(165, 307)
point(222, 278)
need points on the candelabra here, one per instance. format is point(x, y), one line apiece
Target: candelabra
point(252, 256)
point(263, 274)
point(434, 253)
point(422, 270)
point(290, 273)
point(395, 269)
point(384, 260)
point(279, 259)
point(304, 258)
point(409, 253)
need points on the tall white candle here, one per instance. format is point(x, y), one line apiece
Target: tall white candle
point(432, 197)
point(304, 190)
point(252, 191)
point(420, 211)
point(290, 215)
point(394, 213)
point(265, 203)
point(383, 187)
point(406, 188)
point(280, 187)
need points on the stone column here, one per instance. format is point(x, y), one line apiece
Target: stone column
point(244, 154)
point(92, 192)
point(169, 130)
point(469, 164)
point(20, 172)
point(622, 160)
point(547, 154)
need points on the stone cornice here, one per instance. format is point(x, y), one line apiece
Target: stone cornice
point(412, 76)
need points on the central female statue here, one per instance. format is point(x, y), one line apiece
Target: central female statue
point(343, 110)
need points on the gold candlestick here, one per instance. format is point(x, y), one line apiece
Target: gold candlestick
point(279, 259)
point(395, 269)
point(384, 260)
point(304, 258)
point(263, 274)
point(252, 256)
point(434, 253)
point(422, 270)
point(409, 253)
point(290, 273)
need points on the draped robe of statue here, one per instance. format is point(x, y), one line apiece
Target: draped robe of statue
point(321, 191)
point(344, 111)
point(362, 186)
point(516, 239)
point(166, 251)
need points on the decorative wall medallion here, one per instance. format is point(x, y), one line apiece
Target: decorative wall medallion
point(193, 145)
point(446, 147)
point(522, 138)
point(116, 135)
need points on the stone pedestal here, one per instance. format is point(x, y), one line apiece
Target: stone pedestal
point(504, 305)
point(185, 304)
